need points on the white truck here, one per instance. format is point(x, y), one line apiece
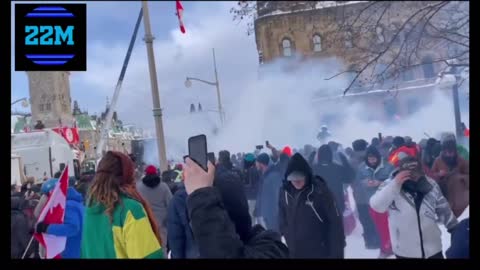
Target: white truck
point(43, 153)
point(17, 177)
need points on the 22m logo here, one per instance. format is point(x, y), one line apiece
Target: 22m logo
point(61, 36)
point(50, 37)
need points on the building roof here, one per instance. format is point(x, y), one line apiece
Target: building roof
point(272, 8)
point(84, 122)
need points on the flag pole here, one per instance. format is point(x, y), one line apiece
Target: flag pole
point(28, 246)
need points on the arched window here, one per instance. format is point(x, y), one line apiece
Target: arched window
point(317, 43)
point(348, 40)
point(287, 47)
point(380, 36)
point(428, 69)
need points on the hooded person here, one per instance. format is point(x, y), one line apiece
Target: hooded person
point(72, 225)
point(430, 152)
point(371, 174)
point(333, 174)
point(158, 195)
point(267, 202)
point(452, 174)
point(415, 205)
point(370, 235)
point(220, 222)
point(309, 218)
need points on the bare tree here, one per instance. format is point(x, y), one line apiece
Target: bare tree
point(388, 44)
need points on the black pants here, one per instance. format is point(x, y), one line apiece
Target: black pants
point(436, 256)
point(369, 231)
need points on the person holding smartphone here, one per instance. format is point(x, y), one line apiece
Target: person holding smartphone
point(415, 204)
point(218, 233)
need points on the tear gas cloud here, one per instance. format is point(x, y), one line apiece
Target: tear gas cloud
point(279, 107)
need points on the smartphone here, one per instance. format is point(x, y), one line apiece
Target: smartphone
point(211, 157)
point(259, 147)
point(197, 150)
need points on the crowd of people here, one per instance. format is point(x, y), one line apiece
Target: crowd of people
point(288, 203)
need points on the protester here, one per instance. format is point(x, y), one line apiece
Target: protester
point(158, 196)
point(430, 153)
point(371, 174)
point(216, 233)
point(118, 222)
point(251, 176)
point(19, 228)
point(413, 230)
point(71, 227)
point(460, 241)
point(180, 236)
point(333, 174)
point(267, 202)
point(225, 168)
point(309, 218)
point(323, 135)
point(452, 174)
point(370, 235)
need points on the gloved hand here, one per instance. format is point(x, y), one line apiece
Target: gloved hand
point(41, 227)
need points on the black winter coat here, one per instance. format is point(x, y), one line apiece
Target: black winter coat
point(216, 236)
point(309, 218)
point(334, 175)
point(20, 229)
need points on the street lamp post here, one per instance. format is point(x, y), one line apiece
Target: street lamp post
point(188, 84)
point(24, 102)
point(157, 111)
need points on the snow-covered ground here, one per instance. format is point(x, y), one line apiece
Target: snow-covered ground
point(356, 248)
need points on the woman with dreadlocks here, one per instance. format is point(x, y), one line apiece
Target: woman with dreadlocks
point(118, 222)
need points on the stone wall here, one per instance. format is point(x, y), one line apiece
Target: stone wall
point(50, 98)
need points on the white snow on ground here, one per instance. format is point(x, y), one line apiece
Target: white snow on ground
point(355, 245)
point(356, 248)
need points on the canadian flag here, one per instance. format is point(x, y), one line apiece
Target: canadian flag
point(53, 213)
point(180, 16)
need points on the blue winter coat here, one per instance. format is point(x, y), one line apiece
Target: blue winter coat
point(271, 184)
point(72, 225)
point(180, 235)
point(381, 173)
point(460, 244)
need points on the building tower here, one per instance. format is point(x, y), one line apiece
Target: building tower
point(50, 97)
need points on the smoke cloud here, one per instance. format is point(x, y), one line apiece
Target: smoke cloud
point(279, 106)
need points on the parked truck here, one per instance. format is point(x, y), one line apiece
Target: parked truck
point(44, 153)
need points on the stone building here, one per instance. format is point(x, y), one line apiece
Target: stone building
point(50, 97)
point(51, 103)
point(310, 30)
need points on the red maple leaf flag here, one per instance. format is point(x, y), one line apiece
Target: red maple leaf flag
point(53, 213)
point(180, 16)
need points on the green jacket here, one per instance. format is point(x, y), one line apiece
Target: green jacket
point(129, 236)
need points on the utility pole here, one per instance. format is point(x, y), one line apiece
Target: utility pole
point(157, 111)
point(217, 85)
point(456, 107)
